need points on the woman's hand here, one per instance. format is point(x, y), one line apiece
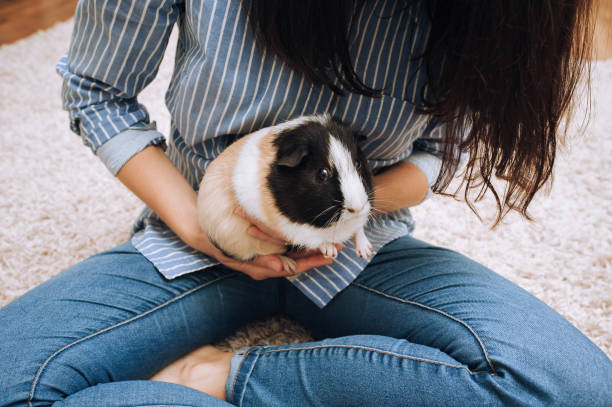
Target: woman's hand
point(260, 231)
point(261, 267)
point(152, 177)
point(305, 259)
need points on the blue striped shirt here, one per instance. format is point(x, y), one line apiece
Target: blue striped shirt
point(224, 86)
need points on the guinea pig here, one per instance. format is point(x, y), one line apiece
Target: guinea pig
point(305, 178)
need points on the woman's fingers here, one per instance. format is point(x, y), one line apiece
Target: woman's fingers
point(271, 266)
point(271, 262)
point(306, 253)
point(260, 268)
point(258, 233)
point(312, 261)
point(261, 231)
point(263, 267)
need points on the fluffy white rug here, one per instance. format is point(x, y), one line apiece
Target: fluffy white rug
point(58, 204)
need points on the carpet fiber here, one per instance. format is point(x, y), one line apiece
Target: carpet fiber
point(59, 205)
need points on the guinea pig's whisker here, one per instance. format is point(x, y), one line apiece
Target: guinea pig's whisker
point(389, 202)
point(377, 199)
point(340, 203)
point(382, 187)
point(329, 222)
point(372, 195)
point(374, 212)
point(323, 212)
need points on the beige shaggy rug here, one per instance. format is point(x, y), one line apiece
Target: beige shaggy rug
point(58, 204)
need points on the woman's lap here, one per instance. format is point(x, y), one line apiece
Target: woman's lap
point(447, 309)
point(114, 318)
point(439, 298)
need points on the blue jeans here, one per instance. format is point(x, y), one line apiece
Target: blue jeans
point(421, 326)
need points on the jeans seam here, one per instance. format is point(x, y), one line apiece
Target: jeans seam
point(238, 373)
point(108, 328)
point(446, 314)
point(248, 374)
point(384, 352)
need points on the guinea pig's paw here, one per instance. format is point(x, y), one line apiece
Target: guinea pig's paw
point(364, 252)
point(362, 245)
point(289, 264)
point(329, 250)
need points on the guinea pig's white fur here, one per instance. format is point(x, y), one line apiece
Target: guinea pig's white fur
point(238, 177)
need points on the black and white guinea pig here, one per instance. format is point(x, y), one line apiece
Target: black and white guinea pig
point(305, 178)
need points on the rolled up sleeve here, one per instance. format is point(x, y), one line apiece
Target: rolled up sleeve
point(427, 154)
point(119, 149)
point(114, 53)
point(428, 163)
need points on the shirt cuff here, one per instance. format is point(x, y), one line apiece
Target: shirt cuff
point(429, 164)
point(119, 149)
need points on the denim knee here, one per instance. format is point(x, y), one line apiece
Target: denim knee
point(560, 384)
point(21, 373)
point(569, 371)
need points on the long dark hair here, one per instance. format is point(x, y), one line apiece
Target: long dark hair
point(510, 72)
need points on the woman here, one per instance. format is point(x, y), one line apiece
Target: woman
point(426, 82)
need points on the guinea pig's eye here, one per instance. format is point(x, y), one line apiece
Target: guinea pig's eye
point(323, 174)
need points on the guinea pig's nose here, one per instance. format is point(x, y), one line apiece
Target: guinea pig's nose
point(354, 209)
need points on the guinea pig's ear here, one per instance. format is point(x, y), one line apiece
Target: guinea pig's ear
point(291, 155)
